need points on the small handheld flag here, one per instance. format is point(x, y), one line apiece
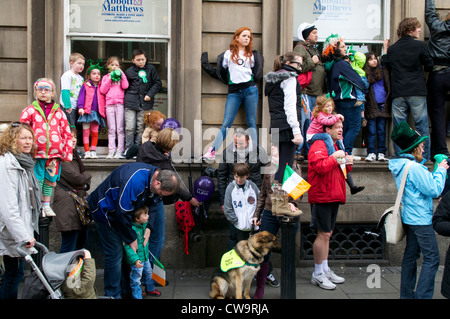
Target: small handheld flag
point(294, 184)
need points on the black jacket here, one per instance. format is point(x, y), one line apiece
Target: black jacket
point(137, 90)
point(441, 224)
point(404, 60)
point(275, 94)
point(255, 161)
point(220, 73)
point(151, 154)
point(439, 43)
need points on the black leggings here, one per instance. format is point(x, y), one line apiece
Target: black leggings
point(286, 152)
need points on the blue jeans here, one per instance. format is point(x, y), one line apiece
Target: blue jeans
point(158, 235)
point(271, 224)
point(138, 274)
point(417, 105)
point(310, 101)
point(250, 97)
point(352, 123)
point(376, 129)
point(72, 240)
point(419, 239)
point(14, 272)
point(113, 250)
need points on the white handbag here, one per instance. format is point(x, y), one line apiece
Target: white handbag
point(391, 218)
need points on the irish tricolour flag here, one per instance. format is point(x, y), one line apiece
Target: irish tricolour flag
point(294, 184)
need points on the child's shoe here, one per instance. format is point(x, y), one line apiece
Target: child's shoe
point(110, 155)
point(87, 155)
point(94, 154)
point(154, 293)
point(371, 157)
point(47, 211)
point(119, 156)
point(356, 189)
point(211, 154)
point(381, 157)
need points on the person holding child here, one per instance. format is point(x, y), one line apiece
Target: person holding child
point(113, 86)
point(268, 219)
point(241, 69)
point(71, 83)
point(339, 70)
point(144, 84)
point(139, 260)
point(377, 109)
point(91, 108)
point(323, 115)
point(53, 138)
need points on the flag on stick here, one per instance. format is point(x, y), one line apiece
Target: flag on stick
point(159, 272)
point(294, 184)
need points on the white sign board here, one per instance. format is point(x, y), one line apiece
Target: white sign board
point(150, 17)
point(354, 20)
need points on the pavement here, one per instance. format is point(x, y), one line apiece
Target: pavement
point(360, 283)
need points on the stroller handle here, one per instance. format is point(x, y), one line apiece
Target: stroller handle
point(22, 252)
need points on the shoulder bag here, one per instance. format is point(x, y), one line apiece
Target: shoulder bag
point(391, 219)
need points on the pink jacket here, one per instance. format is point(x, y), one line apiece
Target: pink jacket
point(53, 138)
point(85, 102)
point(318, 122)
point(114, 91)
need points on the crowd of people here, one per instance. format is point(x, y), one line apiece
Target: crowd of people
point(318, 101)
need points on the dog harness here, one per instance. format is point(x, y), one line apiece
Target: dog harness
point(231, 260)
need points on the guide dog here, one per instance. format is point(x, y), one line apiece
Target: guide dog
point(239, 266)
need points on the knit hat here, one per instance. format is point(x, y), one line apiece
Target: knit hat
point(304, 30)
point(405, 137)
point(330, 44)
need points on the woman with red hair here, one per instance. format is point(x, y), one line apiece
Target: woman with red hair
point(343, 81)
point(240, 68)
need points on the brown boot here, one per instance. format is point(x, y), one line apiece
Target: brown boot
point(285, 210)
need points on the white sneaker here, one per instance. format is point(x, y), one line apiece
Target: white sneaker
point(119, 156)
point(322, 281)
point(382, 158)
point(94, 154)
point(335, 279)
point(110, 155)
point(47, 211)
point(356, 158)
point(87, 154)
point(371, 157)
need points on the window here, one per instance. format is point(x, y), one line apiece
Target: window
point(99, 29)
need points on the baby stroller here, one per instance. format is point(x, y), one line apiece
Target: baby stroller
point(45, 283)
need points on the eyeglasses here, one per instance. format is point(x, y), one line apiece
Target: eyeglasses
point(299, 64)
point(45, 89)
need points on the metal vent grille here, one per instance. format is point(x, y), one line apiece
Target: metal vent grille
point(348, 242)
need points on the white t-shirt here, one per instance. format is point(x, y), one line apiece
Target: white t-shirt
point(72, 82)
point(239, 72)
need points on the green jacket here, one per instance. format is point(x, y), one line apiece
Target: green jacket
point(142, 252)
point(317, 85)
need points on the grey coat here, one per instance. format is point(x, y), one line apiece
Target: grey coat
point(16, 223)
